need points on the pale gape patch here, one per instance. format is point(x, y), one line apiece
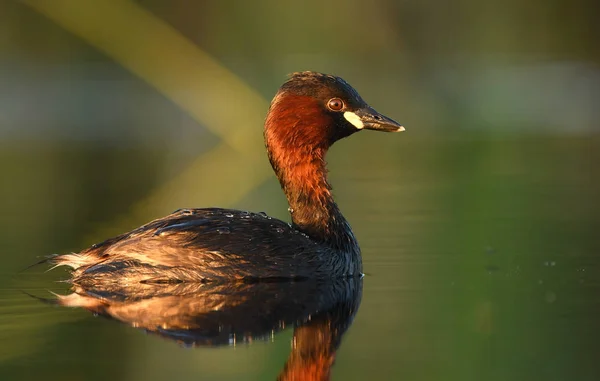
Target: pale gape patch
point(354, 119)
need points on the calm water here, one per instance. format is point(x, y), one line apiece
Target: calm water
point(481, 261)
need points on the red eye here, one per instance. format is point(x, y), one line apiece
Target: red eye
point(335, 104)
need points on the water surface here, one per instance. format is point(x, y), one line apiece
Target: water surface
point(480, 257)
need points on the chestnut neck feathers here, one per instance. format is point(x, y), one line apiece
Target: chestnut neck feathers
point(298, 133)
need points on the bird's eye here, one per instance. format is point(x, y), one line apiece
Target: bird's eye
point(335, 104)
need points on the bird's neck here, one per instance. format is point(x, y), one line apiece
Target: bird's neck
point(303, 177)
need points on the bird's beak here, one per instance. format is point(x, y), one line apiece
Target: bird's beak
point(370, 119)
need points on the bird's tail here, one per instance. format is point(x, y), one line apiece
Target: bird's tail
point(72, 260)
point(47, 259)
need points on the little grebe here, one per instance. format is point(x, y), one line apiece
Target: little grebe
point(309, 113)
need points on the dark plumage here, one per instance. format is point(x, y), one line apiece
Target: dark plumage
point(308, 114)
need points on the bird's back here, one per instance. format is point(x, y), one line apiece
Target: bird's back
point(206, 245)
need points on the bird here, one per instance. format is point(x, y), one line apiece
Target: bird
point(308, 114)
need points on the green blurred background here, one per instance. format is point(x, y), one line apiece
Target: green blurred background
point(478, 225)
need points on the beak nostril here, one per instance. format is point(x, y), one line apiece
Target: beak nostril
point(377, 117)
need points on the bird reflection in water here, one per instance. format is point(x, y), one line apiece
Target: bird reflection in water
point(214, 314)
